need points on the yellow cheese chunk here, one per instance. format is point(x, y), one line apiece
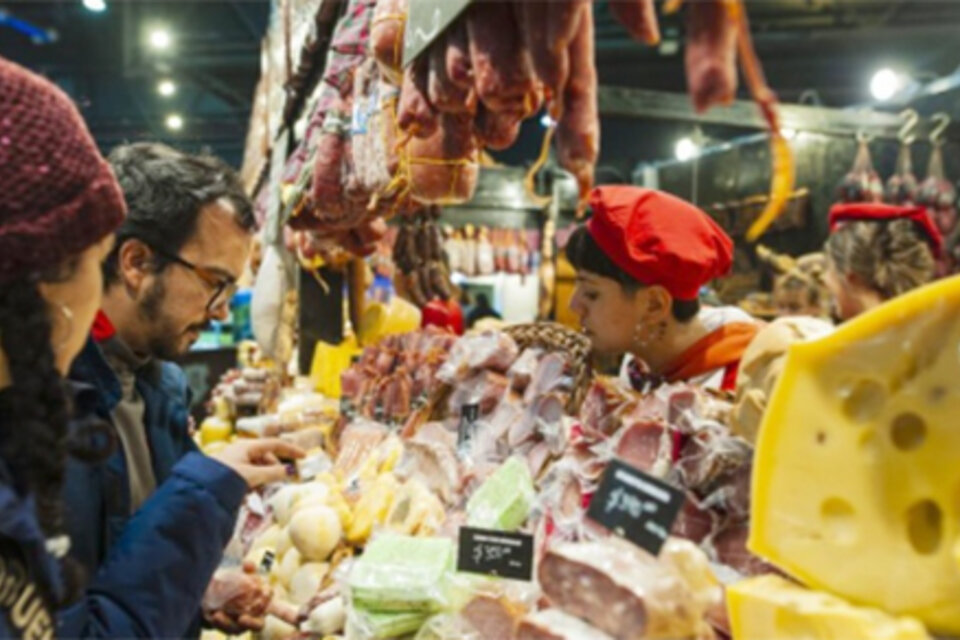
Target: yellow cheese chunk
point(769, 607)
point(856, 483)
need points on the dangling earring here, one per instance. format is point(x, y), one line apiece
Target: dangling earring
point(68, 314)
point(641, 336)
point(661, 331)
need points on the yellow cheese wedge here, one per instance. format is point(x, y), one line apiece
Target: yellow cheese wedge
point(372, 508)
point(856, 483)
point(769, 607)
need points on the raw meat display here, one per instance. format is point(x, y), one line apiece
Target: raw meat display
point(411, 461)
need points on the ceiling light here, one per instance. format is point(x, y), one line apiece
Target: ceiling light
point(686, 149)
point(97, 6)
point(789, 133)
point(166, 88)
point(885, 84)
point(174, 122)
point(547, 121)
point(160, 39)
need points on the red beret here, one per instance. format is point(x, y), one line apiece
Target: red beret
point(58, 195)
point(659, 239)
point(880, 212)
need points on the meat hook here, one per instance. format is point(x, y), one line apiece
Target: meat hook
point(907, 133)
point(943, 121)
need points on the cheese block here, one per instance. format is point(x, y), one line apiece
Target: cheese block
point(769, 606)
point(402, 573)
point(503, 502)
point(856, 480)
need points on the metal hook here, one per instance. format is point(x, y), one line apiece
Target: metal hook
point(864, 137)
point(907, 133)
point(943, 121)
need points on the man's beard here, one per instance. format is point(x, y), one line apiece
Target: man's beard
point(165, 336)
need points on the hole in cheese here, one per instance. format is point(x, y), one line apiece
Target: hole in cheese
point(908, 431)
point(839, 520)
point(863, 400)
point(925, 526)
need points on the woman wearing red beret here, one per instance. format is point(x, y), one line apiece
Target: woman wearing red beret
point(59, 206)
point(876, 252)
point(641, 261)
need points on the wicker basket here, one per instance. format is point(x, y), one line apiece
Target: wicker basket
point(551, 336)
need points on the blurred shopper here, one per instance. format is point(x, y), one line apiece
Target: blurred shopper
point(876, 252)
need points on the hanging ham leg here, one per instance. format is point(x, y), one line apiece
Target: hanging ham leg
point(497, 131)
point(639, 17)
point(711, 56)
point(445, 94)
point(501, 66)
point(415, 113)
point(457, 55)
point(578, 133)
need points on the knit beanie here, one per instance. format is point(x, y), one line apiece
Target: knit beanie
point(58, 195)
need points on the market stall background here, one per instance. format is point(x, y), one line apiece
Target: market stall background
point(830, 46)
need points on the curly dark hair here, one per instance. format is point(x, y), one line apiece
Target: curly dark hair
point(34, 440)
point(165, 190)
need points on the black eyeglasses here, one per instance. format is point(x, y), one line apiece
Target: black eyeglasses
point(224, 287)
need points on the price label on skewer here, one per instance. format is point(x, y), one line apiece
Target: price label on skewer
point(636, 506)
point(467, 429)
point(495, 553)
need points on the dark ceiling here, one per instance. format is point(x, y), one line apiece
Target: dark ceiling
point(828, 46)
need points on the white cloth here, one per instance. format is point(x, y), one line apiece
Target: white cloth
point(713, 318)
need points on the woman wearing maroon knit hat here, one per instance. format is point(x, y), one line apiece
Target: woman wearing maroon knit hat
point(59, 205)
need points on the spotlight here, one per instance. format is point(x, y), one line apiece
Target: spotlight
point(174, 122)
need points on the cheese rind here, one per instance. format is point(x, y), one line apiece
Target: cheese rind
point(856, 485)
point(769, 607)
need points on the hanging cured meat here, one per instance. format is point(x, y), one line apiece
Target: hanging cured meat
point(902, 187)
point(861, 184)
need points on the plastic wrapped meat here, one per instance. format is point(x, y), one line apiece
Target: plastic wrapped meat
point(488, 350)
point(621, 590)
point(485, 388)
point(493, 618)
point(551, 624)
point(646, 445)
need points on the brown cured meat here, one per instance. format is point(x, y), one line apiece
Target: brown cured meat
point(415, 114)
point(443, 167)
point(497, 131)
point(457, 55)
point(563, 21)
point(619, 589)
point(328, 167)
point(639, 17)
point(502, 71)
point(493, 618)
point(550, 60)
point(386, 37)
point(578, 132)
point(551, 624)
point(711, 55)
point(446, 95)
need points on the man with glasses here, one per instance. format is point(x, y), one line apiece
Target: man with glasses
point(173, 269)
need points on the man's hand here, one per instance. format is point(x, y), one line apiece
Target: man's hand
point(258, 461)
point(237, 601)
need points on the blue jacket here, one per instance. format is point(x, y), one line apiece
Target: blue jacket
point(157, 570)
point(98, 495)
